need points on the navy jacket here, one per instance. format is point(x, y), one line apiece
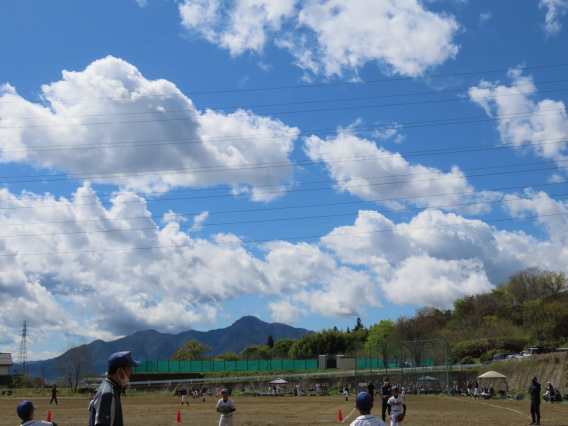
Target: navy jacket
point(385, 393)
point(106, 409)
point(534, 392)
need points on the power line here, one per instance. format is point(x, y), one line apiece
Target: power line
point(288, 207)
point(346, 159)
point(350, 129)
point(201, 118)
point(469, 223)
point(289, 218)
point(302, 86)
point(279, 192)
point(292, 207)
point(58, 116)
point(233, 168)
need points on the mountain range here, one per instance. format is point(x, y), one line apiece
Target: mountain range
point(152, 344)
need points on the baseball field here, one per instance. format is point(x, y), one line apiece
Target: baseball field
point(252, 411)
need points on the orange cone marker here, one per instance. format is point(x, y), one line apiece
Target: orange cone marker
point(340, 417)
point(48, 417)
point(178, 418)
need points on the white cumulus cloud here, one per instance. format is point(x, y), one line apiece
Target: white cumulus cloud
point(330, 37)
point(522, 120)
point(555, 9)
point(379, 174)
point(188, 147)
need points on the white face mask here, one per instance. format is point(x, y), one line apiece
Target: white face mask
point(125, 380)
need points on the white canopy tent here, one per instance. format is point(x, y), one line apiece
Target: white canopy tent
point(495, 375)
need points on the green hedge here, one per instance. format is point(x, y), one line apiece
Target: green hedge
point(476, 348)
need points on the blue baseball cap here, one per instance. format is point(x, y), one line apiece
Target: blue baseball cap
point(24, 409)
point(225, 391)
point(533, 378)
point(364, 401)
point(385, 378)
point(122, 359)
point(394, 388)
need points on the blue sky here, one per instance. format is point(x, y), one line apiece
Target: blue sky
point(180, 164)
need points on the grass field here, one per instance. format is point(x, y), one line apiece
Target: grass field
point(162, 411)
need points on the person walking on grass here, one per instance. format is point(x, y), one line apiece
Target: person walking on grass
point(54, 395)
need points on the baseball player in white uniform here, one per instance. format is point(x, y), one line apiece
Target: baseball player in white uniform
point(183, 394)
point(403, 392)
point(398, 407)
point(26, 411)
point(226, 407)
point(364, 403)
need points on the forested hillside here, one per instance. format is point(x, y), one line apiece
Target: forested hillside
point(530, 308)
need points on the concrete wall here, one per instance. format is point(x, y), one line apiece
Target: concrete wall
point(261, 386)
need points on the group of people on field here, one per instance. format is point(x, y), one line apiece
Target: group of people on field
point(105, 408)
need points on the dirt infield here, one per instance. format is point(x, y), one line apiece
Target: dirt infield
point(305, 411)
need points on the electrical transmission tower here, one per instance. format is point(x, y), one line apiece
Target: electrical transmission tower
point(23, 355)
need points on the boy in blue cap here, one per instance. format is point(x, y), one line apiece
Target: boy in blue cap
point(26, 412)
point(226, 407)
point(106, 408)
point(364, 403)
point(398, 407)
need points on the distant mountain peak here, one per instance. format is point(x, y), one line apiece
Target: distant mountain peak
point(151, 344)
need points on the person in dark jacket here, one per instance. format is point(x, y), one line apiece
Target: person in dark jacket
point(371, 390)
point(385, 396)
point(106, 409)
point(54, 392)
point(534, 392)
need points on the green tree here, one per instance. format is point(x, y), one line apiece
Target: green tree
point(256, 352)
point(270, 342)
point(535, 315)
point(327, 342)
point(192, 351)
point(381, 339)
point(282, 346)
point(228, 356)
point(359, 326)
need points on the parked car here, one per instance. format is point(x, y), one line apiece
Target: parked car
point(405, 365)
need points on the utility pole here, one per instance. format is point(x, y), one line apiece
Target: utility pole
point(23, 355)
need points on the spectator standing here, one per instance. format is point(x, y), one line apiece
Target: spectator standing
point(385, 395)
point(534, 392)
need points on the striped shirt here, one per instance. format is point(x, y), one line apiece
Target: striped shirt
point(106, 408)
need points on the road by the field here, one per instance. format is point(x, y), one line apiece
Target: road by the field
point(305, 411)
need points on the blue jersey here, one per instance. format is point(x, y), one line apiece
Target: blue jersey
point(106, 408)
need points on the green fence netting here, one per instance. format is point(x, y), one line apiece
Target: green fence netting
point(205, 366)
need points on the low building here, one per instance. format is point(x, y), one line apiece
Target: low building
point(5, 364)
